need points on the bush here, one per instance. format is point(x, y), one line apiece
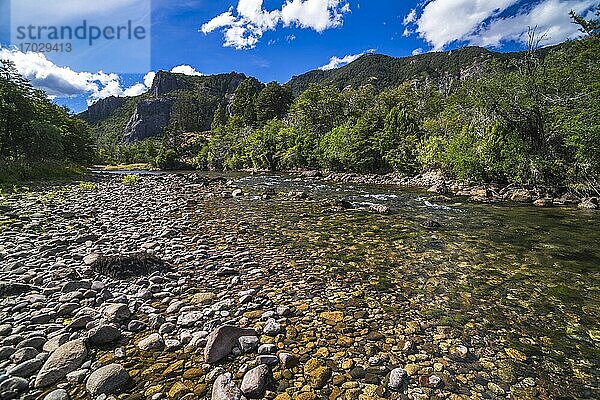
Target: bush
point(166, 159)
point(88, 186)
point(129, 180)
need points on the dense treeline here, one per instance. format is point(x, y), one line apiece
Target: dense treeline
point(37, 137)
point(537, 122)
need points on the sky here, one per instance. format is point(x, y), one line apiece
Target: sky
point(272, 40)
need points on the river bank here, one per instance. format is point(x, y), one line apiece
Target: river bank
point(336, 299)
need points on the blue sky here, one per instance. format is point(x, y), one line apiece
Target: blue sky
point(274, 39)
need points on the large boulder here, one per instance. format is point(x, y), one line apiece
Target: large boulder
point(109, 379)
point(225, 389)
point(65, 359)
point(222, 341)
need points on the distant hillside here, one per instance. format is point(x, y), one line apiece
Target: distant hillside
point(386, 72)
point(187, 103)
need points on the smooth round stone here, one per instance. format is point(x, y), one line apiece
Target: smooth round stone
point(154, 341)
point(109, 379)
point(58, 394)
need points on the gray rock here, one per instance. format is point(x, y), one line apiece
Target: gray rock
point(397, 378)
point(65, 359)
point(77, 376)
point(154, 341)
point(14, 385)
point(76, 285)
point(267, 348)
point(189, 318)
point(5, 329)
point(248, 343)
point(288, 360)
point(267, 359)
point(136, 326)
point(26, 368)
point(55, 342)
point(109, 379)
point(225, 389)
point(24, 354)
point(272, 328)
point(222, 340)
point(167, 328)
point(90, 259)
point(380, 209)
point(58, 394)
point(37, 342)
point(6, 352)
point(590, 203)
point(117, 312)
point(103, 334)
point(255, 382)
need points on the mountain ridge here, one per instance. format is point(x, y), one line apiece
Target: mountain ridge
point(197, 97)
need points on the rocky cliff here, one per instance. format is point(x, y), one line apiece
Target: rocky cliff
point(150, 118)
point(166, 82)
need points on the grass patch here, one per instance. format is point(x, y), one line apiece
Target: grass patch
point(129, 180)
point(88, 186)
point(126, 167)
point(13, 172)
point(7, 222)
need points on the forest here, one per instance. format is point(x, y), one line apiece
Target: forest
point(532, 119)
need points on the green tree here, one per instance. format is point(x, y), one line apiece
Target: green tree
point(243, 105)
point(272, 102)
point(399, 140)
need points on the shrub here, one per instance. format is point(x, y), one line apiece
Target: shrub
point(88, 186)
point(129, 180)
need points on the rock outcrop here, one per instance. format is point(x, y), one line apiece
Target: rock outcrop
point(166, 82)
point(150, 118)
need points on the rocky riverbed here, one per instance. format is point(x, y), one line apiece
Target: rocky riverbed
point(188, 286)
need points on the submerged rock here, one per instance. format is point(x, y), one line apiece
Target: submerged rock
point(109, 379)
point(128, 266)
point(255, 381)
point(222, 340)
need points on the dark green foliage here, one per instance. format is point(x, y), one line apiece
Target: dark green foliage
point(272, 102)
point(385, 72)
point(243, 105)
point(166, 159)
point(531, 121)
point(36, 132)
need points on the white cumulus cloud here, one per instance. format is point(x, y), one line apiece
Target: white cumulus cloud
point(492, 22)
point(186, 70)
point(244, 28)
point(549, 18)
point(149, 78)
point(57, 81)
point(337, 62)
